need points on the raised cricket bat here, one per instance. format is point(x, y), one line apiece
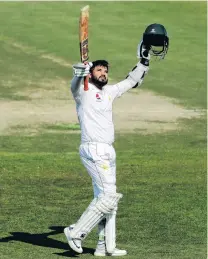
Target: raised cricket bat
point(83, 39)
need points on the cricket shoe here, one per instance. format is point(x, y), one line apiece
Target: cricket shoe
point(74, 243)
point(101, 251)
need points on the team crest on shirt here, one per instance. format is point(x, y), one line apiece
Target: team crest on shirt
point(98, 97)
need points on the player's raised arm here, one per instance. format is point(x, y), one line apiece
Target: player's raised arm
point(136, 76)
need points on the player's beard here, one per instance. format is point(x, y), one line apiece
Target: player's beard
point(99, 81)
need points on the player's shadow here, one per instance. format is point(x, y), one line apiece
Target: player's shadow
point(44, 240)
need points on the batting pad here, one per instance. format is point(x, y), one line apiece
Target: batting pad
point(110, 231)
point(94, 214)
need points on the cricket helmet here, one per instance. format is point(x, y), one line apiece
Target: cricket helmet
point(156, 39)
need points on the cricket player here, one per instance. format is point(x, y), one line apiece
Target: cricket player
point(94, 111)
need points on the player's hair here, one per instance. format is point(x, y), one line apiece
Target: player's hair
point(102, 63)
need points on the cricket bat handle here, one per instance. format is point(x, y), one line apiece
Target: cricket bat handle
point(86, 78)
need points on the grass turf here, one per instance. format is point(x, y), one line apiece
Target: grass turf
point(162, 176)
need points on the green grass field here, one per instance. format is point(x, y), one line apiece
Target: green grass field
point(44, 187)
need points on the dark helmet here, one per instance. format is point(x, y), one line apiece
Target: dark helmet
point(156, 39)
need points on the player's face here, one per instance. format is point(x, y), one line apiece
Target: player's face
point(99, 76)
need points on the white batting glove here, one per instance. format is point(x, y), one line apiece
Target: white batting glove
point(143, 51)
point(82, 70)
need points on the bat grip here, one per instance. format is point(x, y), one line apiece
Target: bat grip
point(86, 78)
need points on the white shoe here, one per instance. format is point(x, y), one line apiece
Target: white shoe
point(74, 243)
point(101, 251)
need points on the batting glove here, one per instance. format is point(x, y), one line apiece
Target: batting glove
point(143, 54)
point(82, 70)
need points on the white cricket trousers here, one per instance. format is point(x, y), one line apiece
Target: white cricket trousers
point(100, 161)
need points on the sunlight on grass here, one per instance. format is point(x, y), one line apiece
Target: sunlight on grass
point(62, 126)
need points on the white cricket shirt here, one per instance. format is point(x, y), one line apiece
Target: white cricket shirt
point(94, 109)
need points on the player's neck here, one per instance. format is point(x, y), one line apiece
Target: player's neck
point(99, 87)
point(96, 85)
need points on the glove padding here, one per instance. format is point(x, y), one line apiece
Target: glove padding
point(143, 53)
point(82, 70)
